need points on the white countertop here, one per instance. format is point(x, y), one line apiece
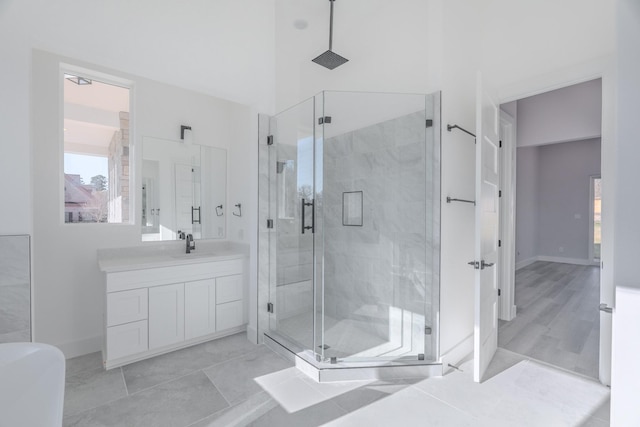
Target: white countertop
point(168, 254)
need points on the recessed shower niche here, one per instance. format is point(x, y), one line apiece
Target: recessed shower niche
point(349, 205)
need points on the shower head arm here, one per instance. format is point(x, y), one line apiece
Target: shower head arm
point(331, 25)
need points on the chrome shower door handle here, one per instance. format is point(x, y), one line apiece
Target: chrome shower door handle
point(313, 216)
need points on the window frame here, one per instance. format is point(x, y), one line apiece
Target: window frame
point(111, 79)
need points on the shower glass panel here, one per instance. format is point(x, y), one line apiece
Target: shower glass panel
point(377, 293)
point(354, 185)
point(293, 196)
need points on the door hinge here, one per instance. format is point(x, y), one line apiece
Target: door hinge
point(269, 223)
point(499, 243)
point(499, 193)
point(500, 144)
point(499, 293)
point(323, 120)
point(270, 140)
point(429, 123)
point(475, 264)
point(427, 330)
point(270, 307)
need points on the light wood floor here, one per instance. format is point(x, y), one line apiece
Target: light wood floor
point(557, 319)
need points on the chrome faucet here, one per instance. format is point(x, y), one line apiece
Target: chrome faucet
point(191, 244)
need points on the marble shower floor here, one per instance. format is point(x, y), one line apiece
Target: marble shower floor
point(345, 338)
point(230, 382)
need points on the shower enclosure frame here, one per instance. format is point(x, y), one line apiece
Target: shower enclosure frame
point(313, 138)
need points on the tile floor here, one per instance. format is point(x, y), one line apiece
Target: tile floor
point(230, 382)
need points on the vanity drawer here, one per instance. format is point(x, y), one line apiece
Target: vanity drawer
point(228, 315)
point(127, 339)
point(127, 306)
point(228, 288)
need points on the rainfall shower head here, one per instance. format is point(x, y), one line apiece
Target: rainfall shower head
point(330, 59)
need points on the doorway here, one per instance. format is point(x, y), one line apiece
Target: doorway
point(552, 314)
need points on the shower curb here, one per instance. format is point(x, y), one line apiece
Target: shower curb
point(324, 372)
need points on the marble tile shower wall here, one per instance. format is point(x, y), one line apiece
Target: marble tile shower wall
point(370, 270)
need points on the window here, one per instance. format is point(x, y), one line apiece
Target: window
point(595, 220)
point(96, 150)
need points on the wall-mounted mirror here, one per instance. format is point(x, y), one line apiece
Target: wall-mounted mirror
point(184, 190)
point(15, 289)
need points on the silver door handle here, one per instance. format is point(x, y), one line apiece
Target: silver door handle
point(486, 264)
point(604, 307)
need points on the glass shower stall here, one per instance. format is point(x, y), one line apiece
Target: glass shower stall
point(349, 237)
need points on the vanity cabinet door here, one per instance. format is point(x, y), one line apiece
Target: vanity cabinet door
point(166, 315)
point(228, 288)
point(229, 313)
point(127, 306)
point(127, 339)
point(200, 308)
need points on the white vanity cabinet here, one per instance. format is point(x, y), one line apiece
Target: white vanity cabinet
point(150, 311)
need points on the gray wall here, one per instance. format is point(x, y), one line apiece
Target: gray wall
point(526, 203)
point(572, 113)
point(552, 209)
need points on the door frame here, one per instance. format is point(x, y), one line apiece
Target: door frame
point(603, 68)
point(507, 259)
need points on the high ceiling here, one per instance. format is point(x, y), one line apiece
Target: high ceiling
point(224, 48)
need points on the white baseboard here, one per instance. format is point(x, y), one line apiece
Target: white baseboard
point(563, 260)
point(525, 262)
point(81, 347)
point(457, 353)
point(252, 335)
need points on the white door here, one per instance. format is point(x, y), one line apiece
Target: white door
point(486, 229)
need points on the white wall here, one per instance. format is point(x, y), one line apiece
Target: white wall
point(626, 371)
point(66, 281)
point(460, 62)
point(15, 152)
point(366, 33)
point(529, 46)
point(568, 114)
